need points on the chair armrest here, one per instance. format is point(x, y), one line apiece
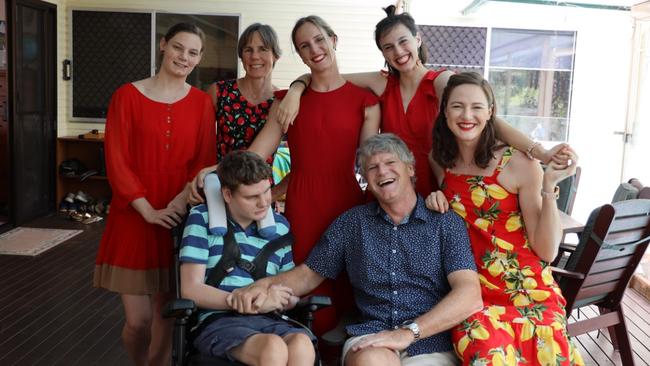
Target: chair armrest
point(566, 273)
point(313, 303)
point(568, 247)
point(179, 308)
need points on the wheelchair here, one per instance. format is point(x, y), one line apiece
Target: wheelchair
point(185, 313)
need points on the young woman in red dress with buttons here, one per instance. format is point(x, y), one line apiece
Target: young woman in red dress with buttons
point(160, 132)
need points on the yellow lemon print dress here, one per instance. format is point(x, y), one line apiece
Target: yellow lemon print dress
point(523, 321)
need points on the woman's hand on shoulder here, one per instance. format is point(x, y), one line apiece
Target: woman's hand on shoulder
point(195, 197)
point(437, 202)
point(288, 109)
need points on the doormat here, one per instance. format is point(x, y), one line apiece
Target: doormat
point(33, 241)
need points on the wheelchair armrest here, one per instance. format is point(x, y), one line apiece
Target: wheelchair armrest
point(313, 303)
point(179, 308)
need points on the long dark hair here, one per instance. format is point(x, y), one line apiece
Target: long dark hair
point(388, 23)
point(445, 147)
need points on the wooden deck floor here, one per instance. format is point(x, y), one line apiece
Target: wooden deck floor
point(51, 315)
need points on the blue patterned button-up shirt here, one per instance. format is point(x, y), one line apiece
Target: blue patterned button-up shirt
point(397, 272)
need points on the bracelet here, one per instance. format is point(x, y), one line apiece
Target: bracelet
point(298, 81)
point(529, 151)
point(554, 195)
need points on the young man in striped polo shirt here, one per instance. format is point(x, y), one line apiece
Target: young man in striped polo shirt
point(246, 189)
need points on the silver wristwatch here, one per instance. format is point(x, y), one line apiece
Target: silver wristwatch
point(413, 327)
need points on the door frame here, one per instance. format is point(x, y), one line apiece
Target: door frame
point(50, 103)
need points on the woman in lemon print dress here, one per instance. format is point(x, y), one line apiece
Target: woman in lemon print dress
point(509, 206)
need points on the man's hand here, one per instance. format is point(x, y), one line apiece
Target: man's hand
point(437, 202)
point(278, 298)
point(248, 300)
point(396, 340)
point(195, 197)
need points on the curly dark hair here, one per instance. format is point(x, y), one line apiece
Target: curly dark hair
point(445, 147)
point(242, 167)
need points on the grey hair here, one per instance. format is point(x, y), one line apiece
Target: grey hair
point(267, 34)
point(383, 143)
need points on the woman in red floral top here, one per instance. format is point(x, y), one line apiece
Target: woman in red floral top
point(514, 231)
point(243, 104)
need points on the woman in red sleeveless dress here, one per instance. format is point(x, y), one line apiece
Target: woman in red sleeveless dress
point(334, 117)
point(514, 231)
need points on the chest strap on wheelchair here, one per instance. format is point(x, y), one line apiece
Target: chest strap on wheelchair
point(231, 258)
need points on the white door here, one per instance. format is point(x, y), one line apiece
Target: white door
point(636, 155)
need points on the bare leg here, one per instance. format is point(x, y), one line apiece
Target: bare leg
point(372, 356)
point(136, 334)
point(160, 348)
point(301, 350)
point(262, 350)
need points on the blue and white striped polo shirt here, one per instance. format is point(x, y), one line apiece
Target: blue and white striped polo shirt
point(199, 246)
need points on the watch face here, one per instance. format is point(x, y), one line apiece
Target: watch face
point(413, 327)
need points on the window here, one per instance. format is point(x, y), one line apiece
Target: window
point(531, 72)
point(111, 48)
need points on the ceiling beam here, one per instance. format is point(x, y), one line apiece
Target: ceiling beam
point(478, 3)
point(469, 9)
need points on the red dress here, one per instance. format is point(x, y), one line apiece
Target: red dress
point(152, 150)
point(323, 142)
point(523, 320)
point(415, 126)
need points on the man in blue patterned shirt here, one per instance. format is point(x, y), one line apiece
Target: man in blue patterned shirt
point(411, 269)
point(250, 339)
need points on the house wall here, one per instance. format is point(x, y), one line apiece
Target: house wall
point(354, 23)
point(600, 84)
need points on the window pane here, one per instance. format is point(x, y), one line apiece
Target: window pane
point(534, 101)
point(532, 49)
point(97, 73)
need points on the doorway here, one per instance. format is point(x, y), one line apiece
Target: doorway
point(4, 119)
point(32, 109)
point(637, 133)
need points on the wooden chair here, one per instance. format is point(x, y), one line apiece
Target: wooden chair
point(598, 271)
point(625, 191)
point(568, 191)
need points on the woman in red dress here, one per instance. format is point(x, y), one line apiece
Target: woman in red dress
point(514, 231)
point(409, 95)
point(159, 133)
point(334, 117)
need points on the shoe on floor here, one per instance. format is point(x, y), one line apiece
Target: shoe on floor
point(69, 197)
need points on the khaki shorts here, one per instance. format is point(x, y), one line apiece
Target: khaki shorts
point(429, 359)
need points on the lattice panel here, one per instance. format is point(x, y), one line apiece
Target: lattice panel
point(455, 48)
point(108, 50)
